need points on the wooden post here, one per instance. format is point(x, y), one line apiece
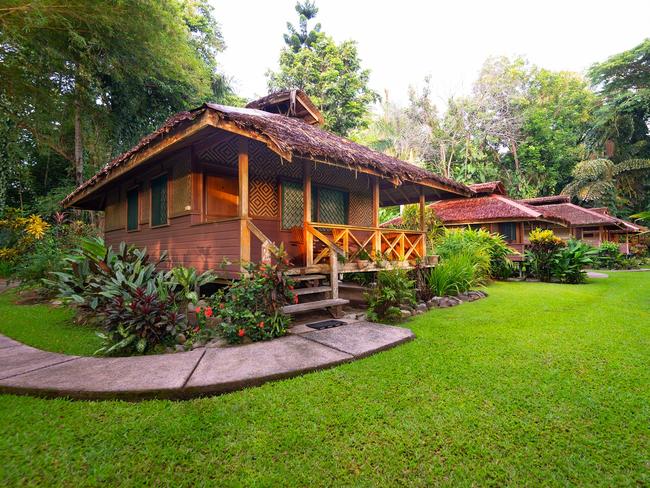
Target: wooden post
point(375, 217)
point(309, 238)
point(334, 273)
point(244, 232)
point(423, 225)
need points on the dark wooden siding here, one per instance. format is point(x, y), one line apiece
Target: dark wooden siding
point(202, 246)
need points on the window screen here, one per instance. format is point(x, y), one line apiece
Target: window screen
point(132, 210)
point(292, 205)
point(159, 201)
point(509, 231)
point(332, 207)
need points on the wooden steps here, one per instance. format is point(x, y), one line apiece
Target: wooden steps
point(316, 305)
point(310, 290)
point(308, 277)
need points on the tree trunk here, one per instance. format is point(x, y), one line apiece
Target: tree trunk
point(78, 144)
point(513, 148)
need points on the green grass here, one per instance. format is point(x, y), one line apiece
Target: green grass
point(45, 327)
point(539, 384)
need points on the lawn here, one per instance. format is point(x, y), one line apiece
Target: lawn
point(45, 327)
point(539, 384)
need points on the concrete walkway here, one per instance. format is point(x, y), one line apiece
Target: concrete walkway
point(29, 371)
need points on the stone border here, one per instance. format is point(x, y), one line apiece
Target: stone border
point(25, 370)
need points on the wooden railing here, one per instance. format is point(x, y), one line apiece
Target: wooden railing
point(267, 244)
point(350, 241)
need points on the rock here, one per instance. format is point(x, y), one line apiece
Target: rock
point(169, 349)
point(196, 345)
point(405, 313)
point(422, 307)
point(179, 348)
point(463, 296)
point(434, 302)
point(180, 338)
point(56, 303)
point(349, 316)
point(361, 316)
point(217, 342)
point(191, 308)
point(202, 304)
point(454, 301)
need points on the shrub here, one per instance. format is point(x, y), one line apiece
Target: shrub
point(569, 262)
point(139, 321)
point(251, 307)
point(458, 273)
point(190, 282)
point(393, 289)
point(608, 255)
point(540, 255)
point(480, 243)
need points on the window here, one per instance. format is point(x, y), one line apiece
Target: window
point(509, 231)
point(221, 196)
point(292, 205)
point(159, 201)
point(132, 209)
point(327, 205)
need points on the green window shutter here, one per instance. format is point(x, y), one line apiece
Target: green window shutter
point(292, 205)
point(509, 231)
point(159, 201)
point(332, 206)
point(132, 210)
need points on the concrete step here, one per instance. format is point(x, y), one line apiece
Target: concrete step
point(311, 290)
point(317, 305)
point(309, 277)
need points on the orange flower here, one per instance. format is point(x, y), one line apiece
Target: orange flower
point(261, 324)
point(222, 305)
point(208, 311)
point(241, 333)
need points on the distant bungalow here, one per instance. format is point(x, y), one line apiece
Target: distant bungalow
point(490, 208)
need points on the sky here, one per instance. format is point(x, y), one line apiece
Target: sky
point(402, 41)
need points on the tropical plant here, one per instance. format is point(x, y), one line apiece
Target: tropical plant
point(190, 282)
point(251, 307)
point(608, 255)
point(479, 242)
point(541, 252)
point(603, 182)
point(137, 323)
point(457, 273)
point(570, 261)
point(393, 289)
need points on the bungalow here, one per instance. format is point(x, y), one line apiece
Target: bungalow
point(491, 209)
point(226, 183)
point(591, 225)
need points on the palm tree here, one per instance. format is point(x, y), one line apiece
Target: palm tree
point(601, 181)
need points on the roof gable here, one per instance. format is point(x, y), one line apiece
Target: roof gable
point(290, 103)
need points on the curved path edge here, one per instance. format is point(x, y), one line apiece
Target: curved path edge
point(25, 370)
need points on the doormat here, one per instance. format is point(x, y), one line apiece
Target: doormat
point(325, 324)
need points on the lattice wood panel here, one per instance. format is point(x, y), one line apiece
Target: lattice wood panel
point(360, 210)
point(263, 197)
point(181, 187)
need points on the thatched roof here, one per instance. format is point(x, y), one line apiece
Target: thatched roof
point(546, 200)
point(489, 188)
point(486, 209)
point(576, 215)
point(288, 137)
point(292, 103)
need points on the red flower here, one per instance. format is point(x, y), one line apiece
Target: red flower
point(197, 328)
point(261, 324)
point(241, 333)
point(198, 309)
point(291, 287)
point(208, 311)
point(222, 305)
point(295, 299)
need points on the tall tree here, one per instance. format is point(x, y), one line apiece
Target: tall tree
point(330, 73)
point(623, 120)
point(83, 80)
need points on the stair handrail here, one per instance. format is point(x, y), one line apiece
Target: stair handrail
point(267, 244)
point(322, 237)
